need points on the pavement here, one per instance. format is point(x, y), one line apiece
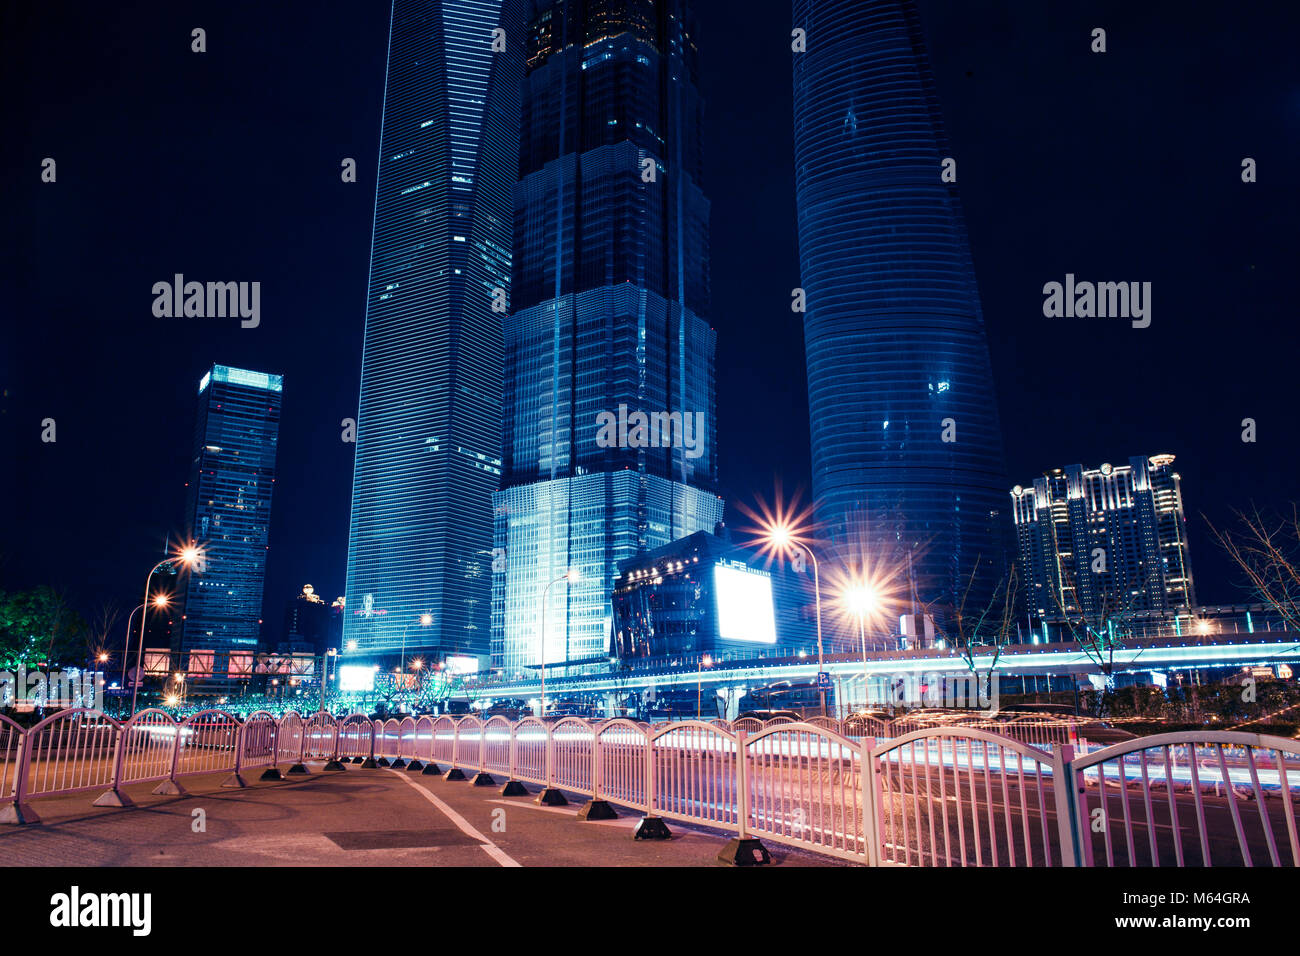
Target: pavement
point(359, 817)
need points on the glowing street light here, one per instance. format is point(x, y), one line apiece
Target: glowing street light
point(782, 533)
point(705, 661)
point(862, 599)
point(425, 620)
point(191, 556)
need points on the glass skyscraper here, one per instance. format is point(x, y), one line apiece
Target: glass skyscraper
point(611, 267)
point(906, 445)
point(229, 510)
point(429, 423)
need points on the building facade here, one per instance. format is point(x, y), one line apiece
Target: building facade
point(608, 446)
point(231, 479)
point(1099, 544)
point(429, 420)
point(703, 594)
point(907, 460)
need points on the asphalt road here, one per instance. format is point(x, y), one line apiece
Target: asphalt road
point(355, 818)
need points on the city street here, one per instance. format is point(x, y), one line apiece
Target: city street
point(355, 818)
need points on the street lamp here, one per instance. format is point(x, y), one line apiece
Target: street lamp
point(425, 620)
point(783, 539)
point(862, 599)
point(159, 601)
point(190, 555)
point(573, 575)
point(705, 661)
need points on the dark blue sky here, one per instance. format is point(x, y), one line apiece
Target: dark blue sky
point(225, 166)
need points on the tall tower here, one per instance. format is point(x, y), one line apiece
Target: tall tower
point(429, 423)
point(607, 323)
point(906, 446)
point(229, 511)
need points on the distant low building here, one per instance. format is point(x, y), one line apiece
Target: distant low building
point(311, 625)
point(1104, 543)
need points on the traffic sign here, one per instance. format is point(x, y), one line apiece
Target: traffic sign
point(823, 680)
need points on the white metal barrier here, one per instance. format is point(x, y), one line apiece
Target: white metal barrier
point(939, 796)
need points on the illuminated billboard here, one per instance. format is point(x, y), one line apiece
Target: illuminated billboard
point(745, 611)
point(461, 664)
point(356, 678)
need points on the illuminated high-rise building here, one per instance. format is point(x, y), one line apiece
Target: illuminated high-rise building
point(429, 422)
point(1098, 544)
point(611, 290)
point(231, 478)
point(907, 461)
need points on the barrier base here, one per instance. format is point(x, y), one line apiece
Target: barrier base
point(514, 788)
point(550, 797)
point(234, 782)
point(482, 779)
point(272, 774)
point(360, 760)
point(335, 765)
point(651, 828)
point(369, 764)
point(398, 764)
point(18, 814)
point(597, 810)
point(414, 766)
point(431, 770)
point(170, 788)
point(298, 770)
point(455, 773)
point(746, 852)
point(113, 798)
point(381, 761)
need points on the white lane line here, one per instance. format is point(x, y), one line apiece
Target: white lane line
point(571, 812)
point(488, 847)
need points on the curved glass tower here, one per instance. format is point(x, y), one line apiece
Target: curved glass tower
point(906, 448)
point(428, 440)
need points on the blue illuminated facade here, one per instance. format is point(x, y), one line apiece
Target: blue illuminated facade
point(906, 444)
point(232, 475)
point(429, 421)
point(611, 267)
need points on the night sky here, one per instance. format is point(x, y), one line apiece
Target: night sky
point(225, 166)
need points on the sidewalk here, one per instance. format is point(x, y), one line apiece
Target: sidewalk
point(355, 818)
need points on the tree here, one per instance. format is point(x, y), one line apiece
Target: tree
point(987, 629)
point(1266, 547)
point(39, 627)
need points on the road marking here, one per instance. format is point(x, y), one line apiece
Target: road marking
point(490, 848)
point(571, 812)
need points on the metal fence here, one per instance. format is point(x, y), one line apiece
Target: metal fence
point(945, 795)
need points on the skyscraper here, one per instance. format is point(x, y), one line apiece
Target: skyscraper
point(429, 423)
point(231, 479)
point(1105, 543)
point(609, 401)
point(906, 446)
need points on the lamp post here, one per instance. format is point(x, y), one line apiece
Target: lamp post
point(572, 576)
point(425, 620)
point(783, 538)
point(862, 599)
point(188, 556)
point(705, 661)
